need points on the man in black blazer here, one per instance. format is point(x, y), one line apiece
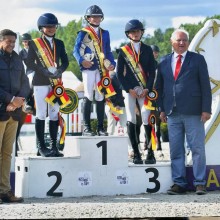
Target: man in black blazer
point(185, 102)
point(14, 88)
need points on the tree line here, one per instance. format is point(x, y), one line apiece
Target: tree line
point(68, 34)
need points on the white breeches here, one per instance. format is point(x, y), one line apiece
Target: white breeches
point(112, 122)
point(30, 78)
point(42, 107)
point(90, 80)
point(130, 105)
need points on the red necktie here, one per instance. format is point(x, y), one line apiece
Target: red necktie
point(178, 66)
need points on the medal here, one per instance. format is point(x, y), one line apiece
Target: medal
point(152, 95)
point(59, 90)
point(106, 81)
point(152, 119)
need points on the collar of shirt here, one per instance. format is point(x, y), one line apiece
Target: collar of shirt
point(175, 55)
point(174, 59)
point(136, 46)
point(96, 29)
point(50, 39)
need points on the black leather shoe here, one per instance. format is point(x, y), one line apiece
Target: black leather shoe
point(9, 197)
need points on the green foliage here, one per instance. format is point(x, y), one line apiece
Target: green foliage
point(164, 132)
point(163, 127)
point(94, 123)
point(68, 34)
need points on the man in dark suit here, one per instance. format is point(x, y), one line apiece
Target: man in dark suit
point(185, 102)
point(136, 73)
point(14, 88)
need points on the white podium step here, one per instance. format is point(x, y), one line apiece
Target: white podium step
point(90, 166)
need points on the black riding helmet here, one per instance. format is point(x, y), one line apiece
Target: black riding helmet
point(46, 20)
point(155, 48)
point(133, 24)
point(25, 37)
point(93, 10)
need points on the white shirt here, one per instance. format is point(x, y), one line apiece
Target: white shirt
point(96, 30)
point(175, 58)
point(50, 39)
point(136, 46)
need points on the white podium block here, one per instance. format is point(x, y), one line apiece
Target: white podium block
point(99, 150)
point(90, 166)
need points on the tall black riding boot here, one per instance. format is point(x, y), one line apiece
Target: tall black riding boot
point(158, 134)
point(150, 158)
point(147, 142)
point(131, 130)
point(138, 132)
point(53, 128)
point(86, 117)
point(100, 109)
point(39, 127)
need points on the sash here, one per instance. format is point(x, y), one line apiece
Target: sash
point(138, 71)
point(62, 125)
point(113, 108)
point(135, 67)
point(104, 85)
point(58, 93)
point(115, 117)
point(152, 122)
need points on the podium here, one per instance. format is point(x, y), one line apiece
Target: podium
point(90, 166)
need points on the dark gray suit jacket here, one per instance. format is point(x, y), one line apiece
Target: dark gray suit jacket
point(191, 91)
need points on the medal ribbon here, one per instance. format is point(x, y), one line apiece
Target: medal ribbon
point(131, 58)
point(133, 61)
point(47, 60)
point(52, 55)
point(113, 108)
point(104, 73)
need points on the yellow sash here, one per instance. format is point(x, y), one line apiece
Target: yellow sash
point(104, 86)
point(58, 93)
point(136, 67)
